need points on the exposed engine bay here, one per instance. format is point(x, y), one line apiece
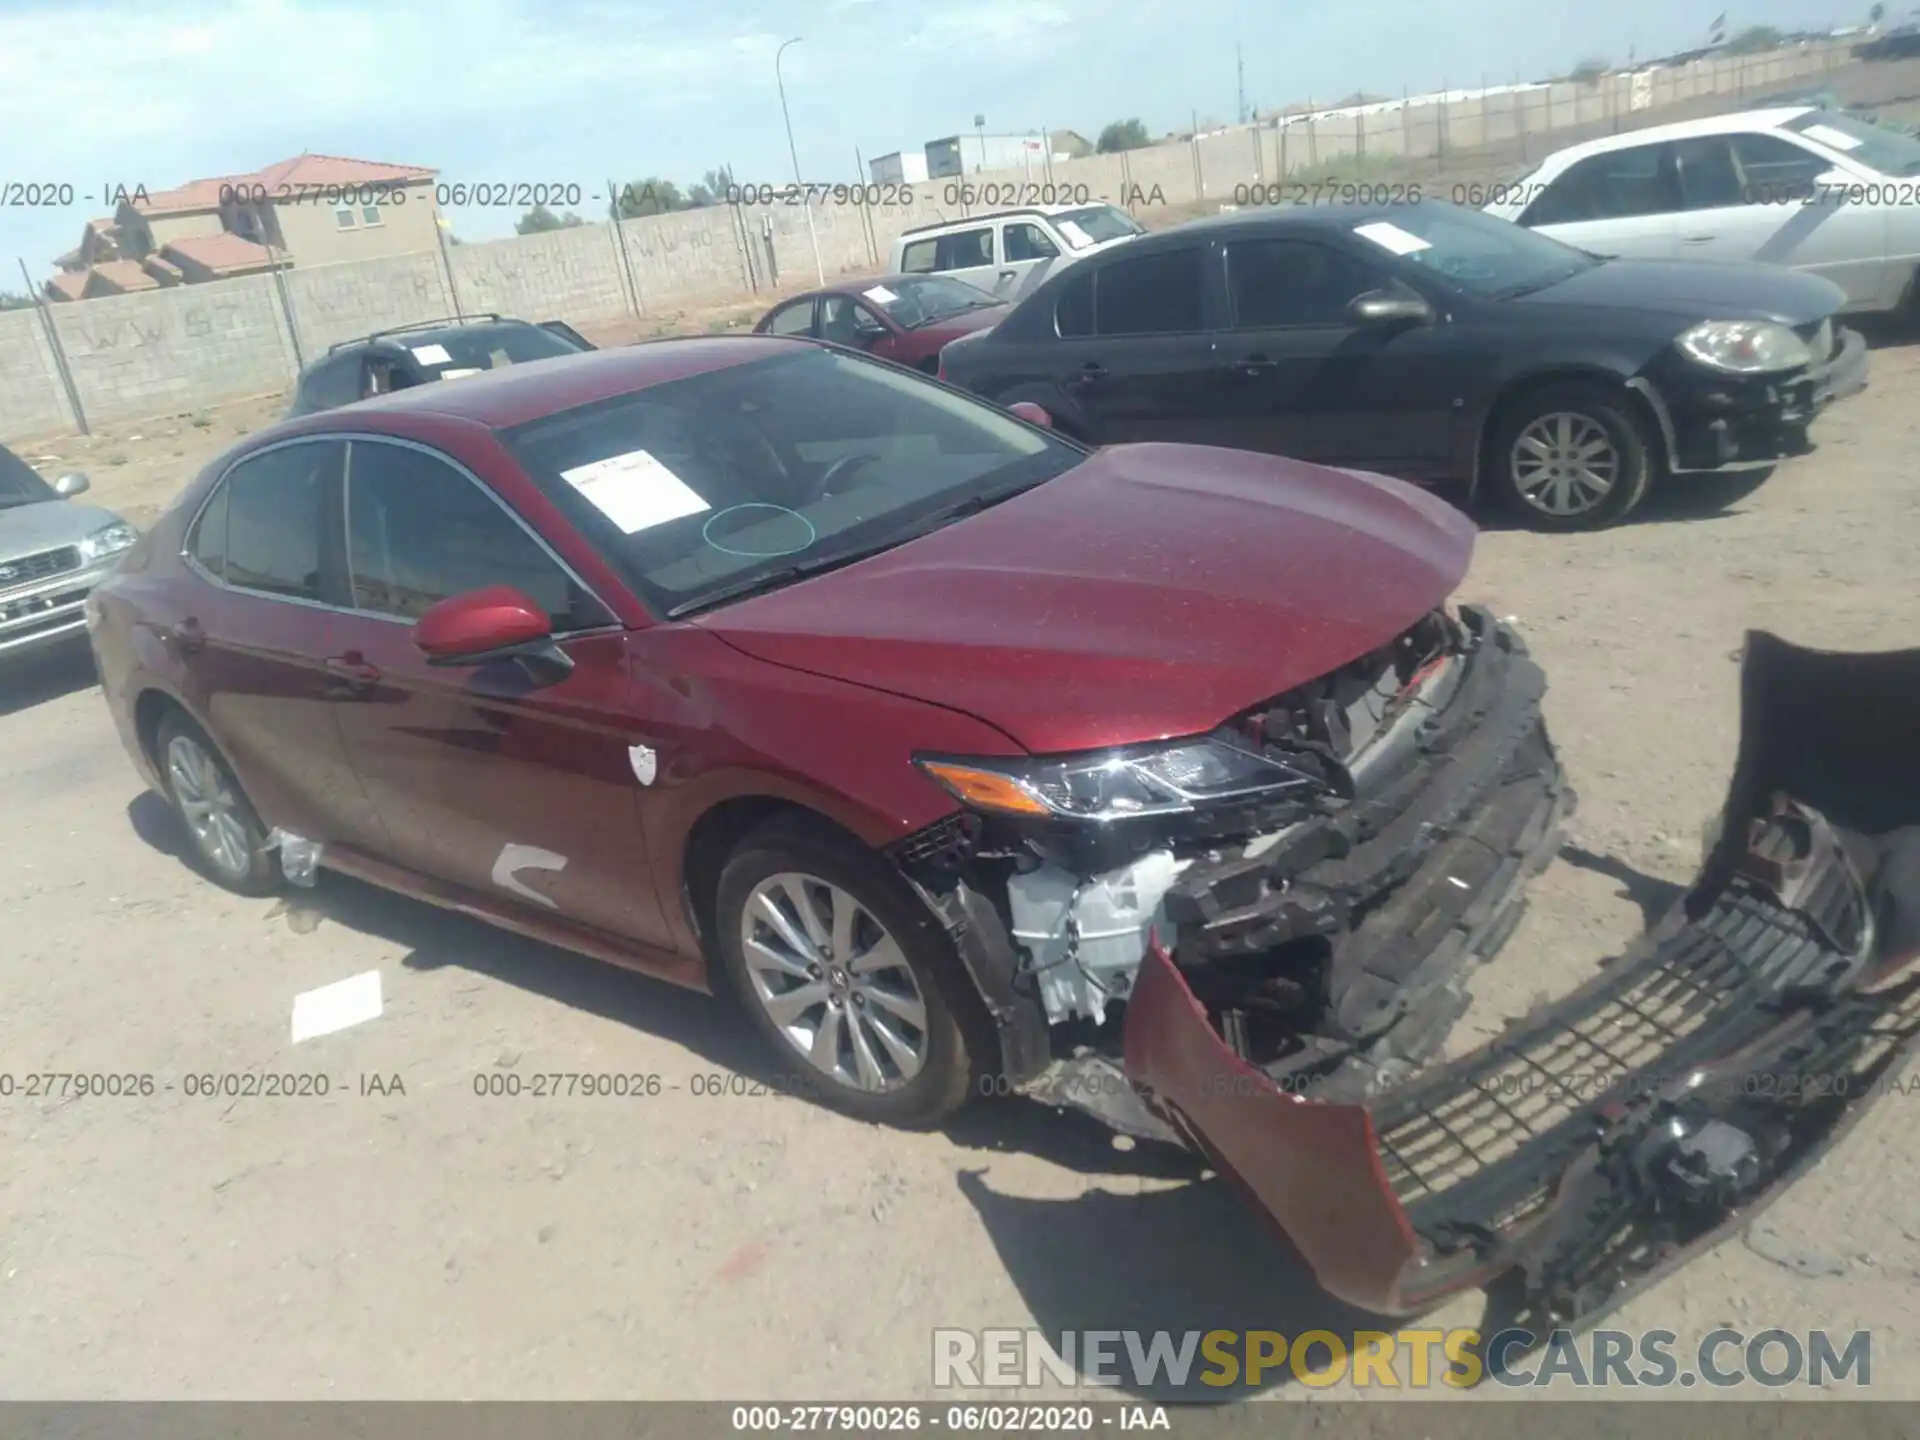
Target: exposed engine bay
point(1327, 920)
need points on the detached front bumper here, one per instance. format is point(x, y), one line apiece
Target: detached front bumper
point(1610, 1134)
point(1714, 423)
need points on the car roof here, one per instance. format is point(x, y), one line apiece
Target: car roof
point(401, 336)
point(962, 221)
point(1254, 219)
point(1740, 121)
point(516, 394)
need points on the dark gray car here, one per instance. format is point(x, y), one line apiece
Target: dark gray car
point(433, 350)
point(53, 551)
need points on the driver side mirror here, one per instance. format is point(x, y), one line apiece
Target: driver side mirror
point(1389, 307)
point(1031, 413)
point(71, 484)
point(494, 623)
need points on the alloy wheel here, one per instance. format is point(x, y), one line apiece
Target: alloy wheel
point(1565, 464)
point(211, 809)
point(834, 982)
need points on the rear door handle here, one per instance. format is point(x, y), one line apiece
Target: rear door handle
point(188, 636)
point(1093, 370)
point(350, 674)
point(1698, 239)
point(1254, 365)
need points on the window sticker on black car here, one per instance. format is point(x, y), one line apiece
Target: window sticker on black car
point(431, 354)
point(635, 491)
point(1389, 236)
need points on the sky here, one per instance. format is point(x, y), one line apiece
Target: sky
point(159, 92)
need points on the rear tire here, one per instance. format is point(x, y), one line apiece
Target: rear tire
point(1570, 457)
point(225, 840)
point(853, 983)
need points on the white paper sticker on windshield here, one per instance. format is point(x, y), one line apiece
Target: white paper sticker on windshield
point(1071, 232)
point(1827, 135)
point(432, 355)
point(635, 491)
point(1389, 236)
point(880, 295)
point(460, 374)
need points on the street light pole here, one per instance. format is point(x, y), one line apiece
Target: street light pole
point(812, 235)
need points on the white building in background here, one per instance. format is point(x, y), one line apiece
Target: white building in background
point(902, 167)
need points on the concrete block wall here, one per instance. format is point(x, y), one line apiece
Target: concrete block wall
point(172, 350)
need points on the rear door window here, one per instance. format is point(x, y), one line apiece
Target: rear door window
point(275, 516)
point(794, 320)
point(1073, 311)
point(1617, 185)
point(333, 382)
point(1705, 170)
point(1150, 295)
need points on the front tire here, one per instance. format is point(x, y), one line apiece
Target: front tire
point(1570, 457)
point(225, 839)
point(854, 985)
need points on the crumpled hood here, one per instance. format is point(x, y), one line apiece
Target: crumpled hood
point(25, 529)
point(1154, 590)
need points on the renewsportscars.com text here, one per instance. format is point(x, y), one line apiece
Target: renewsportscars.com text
point(1412, 1359)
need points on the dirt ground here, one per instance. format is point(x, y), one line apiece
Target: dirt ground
point(438, 1244)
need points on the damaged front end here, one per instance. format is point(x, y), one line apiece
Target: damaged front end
point(1329, 866)
point(1608, 1134)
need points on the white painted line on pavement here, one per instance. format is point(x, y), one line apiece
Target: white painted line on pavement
point(336, 1006)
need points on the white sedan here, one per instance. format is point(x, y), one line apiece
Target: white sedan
point(1809, 188)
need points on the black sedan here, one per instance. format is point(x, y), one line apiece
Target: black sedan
point(1430, 342)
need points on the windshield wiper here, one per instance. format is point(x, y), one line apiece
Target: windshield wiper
point(788, 574)
point(1547, 281)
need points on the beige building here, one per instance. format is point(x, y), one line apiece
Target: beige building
point(310, 210)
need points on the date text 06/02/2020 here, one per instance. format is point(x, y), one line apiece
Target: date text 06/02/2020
point(994, 1419)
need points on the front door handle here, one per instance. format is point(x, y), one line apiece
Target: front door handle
point(1093, 370)
point(1698, 239)
point(350, 674)
point(1254, 365)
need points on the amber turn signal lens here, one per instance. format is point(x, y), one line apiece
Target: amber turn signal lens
point(984, 788)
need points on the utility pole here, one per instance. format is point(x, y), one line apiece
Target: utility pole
point(1240, 67)
point(793, 154)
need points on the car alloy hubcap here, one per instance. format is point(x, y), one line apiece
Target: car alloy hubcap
point(1565, 464)
point(834, 982)
point(211, 809)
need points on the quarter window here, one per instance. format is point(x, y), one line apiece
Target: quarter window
point(919, 257)
point(419, 532)
point(208, 542)
point(275, 505)
point(794, 320)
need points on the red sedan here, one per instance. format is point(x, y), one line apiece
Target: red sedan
point(1161, 781)
point(902, 318)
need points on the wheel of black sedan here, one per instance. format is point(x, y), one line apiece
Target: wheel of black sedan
point(848, 976)
point(1570, 457)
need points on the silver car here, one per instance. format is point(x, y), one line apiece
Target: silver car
point(52, 553)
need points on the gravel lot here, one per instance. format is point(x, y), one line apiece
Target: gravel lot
point(436, 1244)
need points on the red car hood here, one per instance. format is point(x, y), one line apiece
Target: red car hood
point(954, 326)
point(1155, 590)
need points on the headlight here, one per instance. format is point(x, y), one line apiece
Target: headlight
point(108, 540)
point(1167, 779)
point(1745, 347)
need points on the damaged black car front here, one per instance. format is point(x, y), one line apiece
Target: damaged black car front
point(1256, 944)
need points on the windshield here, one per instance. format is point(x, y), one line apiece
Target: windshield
point(915, 300)
point(1879, 148)
point(796, 462)
point(444, 354)
point(1476, 251)
point(19, 484)
point(1095, 225)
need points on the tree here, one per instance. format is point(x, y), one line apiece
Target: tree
point(1755, 39)
point(713, 188)
point(651, 196)
point(1877, 13)
point(12, 300)
point(540, 219)
point(1122, 135)
point(1589, 70)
